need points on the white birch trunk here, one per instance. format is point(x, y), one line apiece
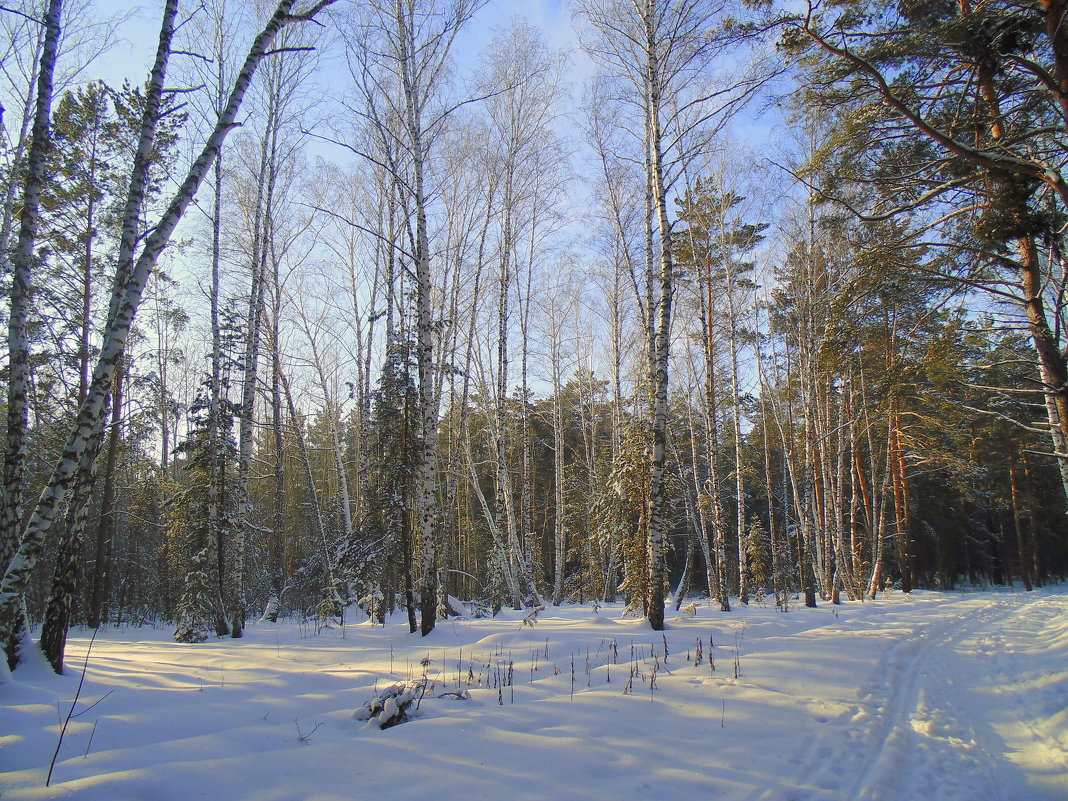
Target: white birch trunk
point(657, 505)
point(18, 412)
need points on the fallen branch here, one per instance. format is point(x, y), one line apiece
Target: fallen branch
point(70, 712)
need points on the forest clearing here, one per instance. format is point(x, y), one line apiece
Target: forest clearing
point(948, 696)
point(714, 353)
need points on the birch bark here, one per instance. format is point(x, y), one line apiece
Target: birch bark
point(12, 621)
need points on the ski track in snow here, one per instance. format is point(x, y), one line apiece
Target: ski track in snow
point(937, 696)
point(923, 728)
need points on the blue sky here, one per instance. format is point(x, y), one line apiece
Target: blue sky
point(132, 56)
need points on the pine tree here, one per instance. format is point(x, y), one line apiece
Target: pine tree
point(934, 114)
point(756, 549)
point(391, 477)
point(193, 525)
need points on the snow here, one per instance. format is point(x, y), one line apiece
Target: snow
point(929, 696)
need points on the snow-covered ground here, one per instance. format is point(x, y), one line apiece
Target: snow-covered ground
point(933, 696)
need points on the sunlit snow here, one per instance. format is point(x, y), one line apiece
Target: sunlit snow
point(934, 696)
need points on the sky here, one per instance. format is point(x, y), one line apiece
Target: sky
point(137, 33)
point(132, 56)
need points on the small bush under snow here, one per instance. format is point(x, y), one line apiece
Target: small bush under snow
point(393, 705)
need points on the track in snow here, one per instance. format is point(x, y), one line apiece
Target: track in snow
point(947, 707)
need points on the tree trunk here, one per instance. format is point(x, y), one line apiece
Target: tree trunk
point(899, 476)
point(559, 533)
point(65, 577)
point(778, 577)
point(331, 596)
point(739, 474)
point(18, 413)
point(279, 546)
point(1021, 551)
point(217, 470)
point(261, 235)
point(657, 496)
point(105, 533)
point(504, 512)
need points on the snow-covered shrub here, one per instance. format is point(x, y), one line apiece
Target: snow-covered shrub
point(442, 611)
point(374, 602)
point(393, 705)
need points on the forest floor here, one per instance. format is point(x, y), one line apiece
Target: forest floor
point(939, 696)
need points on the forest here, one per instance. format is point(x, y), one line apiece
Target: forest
point(408, 303)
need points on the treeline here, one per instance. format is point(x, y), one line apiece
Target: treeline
point(423, 372)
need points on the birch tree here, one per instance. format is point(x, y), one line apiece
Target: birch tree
point(216, 25)
point(133, 270)
point(18, 418)
point(522, 85)
point(404, 50)
point(559, 305)
point(662, 52)
point(283, 81)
